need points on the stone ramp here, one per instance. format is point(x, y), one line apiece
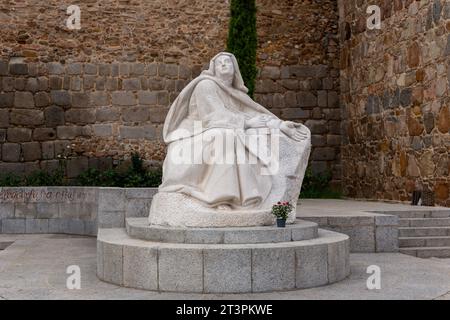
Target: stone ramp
point(222, 267)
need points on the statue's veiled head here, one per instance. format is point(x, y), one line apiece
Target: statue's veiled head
point(225, 67)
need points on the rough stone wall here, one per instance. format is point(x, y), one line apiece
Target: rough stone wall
point(298, 56)
point(172, 31)
point(96, 94)
point(395, 99)
point(89, 113)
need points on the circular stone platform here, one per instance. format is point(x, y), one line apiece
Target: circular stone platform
point(175, 264)
point(140, 228)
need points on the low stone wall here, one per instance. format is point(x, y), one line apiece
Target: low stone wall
point(82, 210)
point(70, 210)
point(368, 233)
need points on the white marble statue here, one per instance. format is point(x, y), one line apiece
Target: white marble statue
point(228, 159)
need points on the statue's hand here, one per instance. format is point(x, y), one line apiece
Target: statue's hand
point(257, 122)
point(289, 129)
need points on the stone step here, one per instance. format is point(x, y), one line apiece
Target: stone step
point(424, 222)
point(139, 228)
point(221, 268)
point(5, 244)
point(405, 242)
point(443, 213)
point(403, 223)
point(423, 232)
point(428, 252)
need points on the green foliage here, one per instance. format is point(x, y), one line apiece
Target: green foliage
point(43, 178)
point(318, 186)
point(96, 178)
point(242, 39)
point(135, 176)
point(137, 164)
point(10, 180)
point(154, 177)
point(281, 210)
point(35, 179)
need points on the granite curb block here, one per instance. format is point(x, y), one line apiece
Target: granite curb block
point(368, 233)
point(36, 226)
point(221, 268)
point(70, 210)
point(140, 228)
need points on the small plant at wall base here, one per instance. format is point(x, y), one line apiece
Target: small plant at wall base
point(43, 178)
point(134, 176)
point(317, 186)
point(281, 210)
point(10, 180)
point(35, 179)
point(242, 39)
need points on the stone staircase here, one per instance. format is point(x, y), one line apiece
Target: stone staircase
point(425, 234)
point(5, 244)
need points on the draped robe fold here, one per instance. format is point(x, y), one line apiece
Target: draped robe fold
point(221, 112)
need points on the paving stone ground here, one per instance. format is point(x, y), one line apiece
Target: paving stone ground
point(349, 207)
point(34, 267)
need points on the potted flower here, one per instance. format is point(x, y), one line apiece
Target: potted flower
point(281, 210)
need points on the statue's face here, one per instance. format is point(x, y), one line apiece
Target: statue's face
point(224, 66)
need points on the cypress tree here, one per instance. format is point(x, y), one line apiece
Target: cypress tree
point(242, 39)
